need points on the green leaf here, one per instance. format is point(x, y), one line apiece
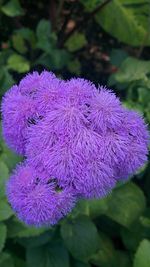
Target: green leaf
point(105, 257)
point(92, 208)
point(18, 63)
point(52, 255)
point(4, 173)
point(134, 18)
point(6, 260)
point(76, 42)
point(19, 44)
point(122, 259)
point(3, 231)
point(12, 9)
point(142, 256)
point(90, 5)
point(126, 204)
point(46, 39)
point(16, 228)
point(80, 237)
point(57, 59)
point(7, 156)
point(6, 80)
point(132, 69)
point(36, 241)
point(28, 35)
point(132, 237)
point(144, 96)
point(5, 210)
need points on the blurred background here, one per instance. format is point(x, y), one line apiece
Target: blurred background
point(107, 42)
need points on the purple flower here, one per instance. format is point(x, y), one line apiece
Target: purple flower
point(105, 111)
point(73, 160)
point(49, 92)
point(30, 84)
point(78, 142)
point(135, 154)
point(18, 114)
point(37, 199)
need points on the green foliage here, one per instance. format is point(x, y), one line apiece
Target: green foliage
point(5, 210)
point(134, 18)
point(129, 203)
point(109, 232)
point(12, 8)
point(52, 255)
point(3, 178)
point(3, 230)
point(132, 69)
point(6, 260)
point(142, 256)
point(76, 42)
point(18, 63)
point(83, 231)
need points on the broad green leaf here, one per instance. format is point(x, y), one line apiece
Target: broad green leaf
point(16, 228)
point(4, 173)
point(46, 39)
point(90, 5)
point(18, 43)
point(43, 29)
point(105, 257)
point(6, 260)
point(91, 208)
point(56, 59)
point(144, 96)
point(12, 8)
point(36, 241)
point(80, 237)
point(127, 21)
point(3, 230)
point(142, 256)
point(126, 204)
point(28, 35)
point(6, 80)
point(76, 42)
point(5, 210)
point(132, 237)
point(122, 259)
point(18, 63)
point(132, 69)
point(7, 156)
point(51, 255)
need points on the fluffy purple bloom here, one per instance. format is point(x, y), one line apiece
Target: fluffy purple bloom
point(30, 84)
point(105, 111)
point(36, 198)
point(18, 114)
point(78, 142)
point(49, 92)
point(73, 162)
point(79, 91)
point(135, 154)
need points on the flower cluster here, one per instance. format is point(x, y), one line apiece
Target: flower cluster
point(78, 141)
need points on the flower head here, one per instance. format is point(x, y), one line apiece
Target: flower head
point(36, 198)
point(105, 111)
point(78, 142)
point(18, 114)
